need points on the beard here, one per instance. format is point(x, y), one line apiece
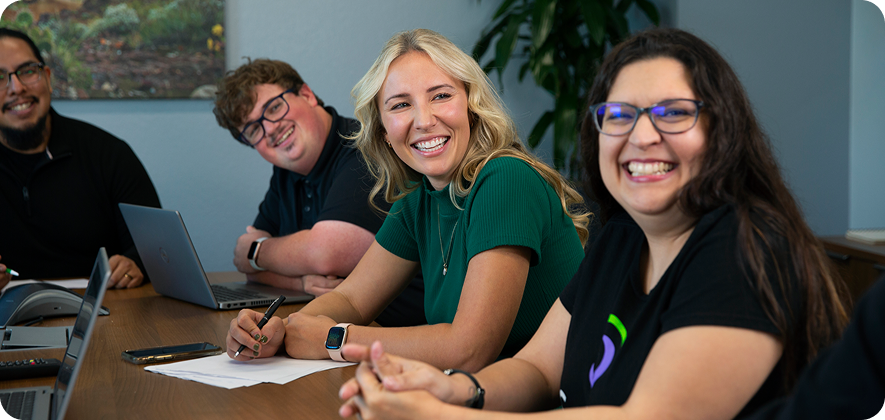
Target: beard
point(27, 138)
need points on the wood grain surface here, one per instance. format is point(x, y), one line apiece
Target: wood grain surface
point(110, 388)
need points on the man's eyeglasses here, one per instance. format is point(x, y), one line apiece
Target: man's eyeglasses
point(274, 111)
point(672, 116)
point(27, 74)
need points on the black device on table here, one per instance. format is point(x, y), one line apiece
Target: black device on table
point(169, 353)
point(31, 301)
point(28, 368)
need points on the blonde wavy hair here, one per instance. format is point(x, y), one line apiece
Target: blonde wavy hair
point(492, 132)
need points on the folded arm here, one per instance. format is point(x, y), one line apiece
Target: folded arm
point(316, 285)
point(330, 247)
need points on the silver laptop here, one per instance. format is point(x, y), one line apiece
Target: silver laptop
point(41, 403)
point(174, 268)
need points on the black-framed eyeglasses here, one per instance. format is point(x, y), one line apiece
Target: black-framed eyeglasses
point(275, 110)
point(672, 116)
point(27, 74)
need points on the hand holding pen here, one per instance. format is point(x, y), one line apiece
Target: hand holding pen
point(267, 315)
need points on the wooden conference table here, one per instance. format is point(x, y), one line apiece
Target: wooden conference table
point(110, 388)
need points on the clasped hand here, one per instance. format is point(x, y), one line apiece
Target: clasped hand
point(299, 334)
point(391, 387)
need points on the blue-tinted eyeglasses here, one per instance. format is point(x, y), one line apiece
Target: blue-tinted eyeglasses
point(672, 116)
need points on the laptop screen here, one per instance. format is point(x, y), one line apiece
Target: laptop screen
point(80, 334)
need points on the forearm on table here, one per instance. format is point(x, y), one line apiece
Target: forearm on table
point(486, 312)
point(277, 280)
point(373, 284)
point(329, 248)
point(441, 345)
point(574, 413)
point(337, 306)
point(515, 385)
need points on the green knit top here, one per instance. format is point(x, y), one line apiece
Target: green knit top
point(510, 204)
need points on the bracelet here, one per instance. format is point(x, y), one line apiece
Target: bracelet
point(479, 397)
point(253, 254)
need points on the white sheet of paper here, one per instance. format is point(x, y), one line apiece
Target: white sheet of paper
point(70, 284)
point(222, 371)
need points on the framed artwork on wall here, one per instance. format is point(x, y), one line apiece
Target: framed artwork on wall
point(112, 49)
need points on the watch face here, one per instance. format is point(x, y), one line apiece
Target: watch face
point(252, 249)
point(335, 338)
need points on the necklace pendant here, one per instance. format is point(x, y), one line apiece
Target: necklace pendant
point(444, 269)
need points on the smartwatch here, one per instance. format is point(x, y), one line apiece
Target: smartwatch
point(253, 253)
point(336, 339)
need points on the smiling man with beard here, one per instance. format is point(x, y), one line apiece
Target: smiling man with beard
point(60, 180)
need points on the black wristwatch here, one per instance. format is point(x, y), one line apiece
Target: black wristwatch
point(253, 253)
point(478, 399)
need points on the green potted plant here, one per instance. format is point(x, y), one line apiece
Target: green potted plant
point(564, 42)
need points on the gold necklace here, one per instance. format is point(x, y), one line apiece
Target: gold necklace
point(448, 254)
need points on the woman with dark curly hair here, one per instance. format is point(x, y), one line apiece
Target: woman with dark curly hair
point(704, 294)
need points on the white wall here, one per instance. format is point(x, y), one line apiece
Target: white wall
point(216, 183)
point(867, 150)
point(793, 57)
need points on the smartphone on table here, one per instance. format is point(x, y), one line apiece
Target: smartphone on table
point(169, 353)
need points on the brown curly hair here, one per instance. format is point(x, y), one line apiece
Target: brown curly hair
point(236, 95)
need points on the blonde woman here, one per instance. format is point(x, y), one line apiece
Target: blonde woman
point(492, 228)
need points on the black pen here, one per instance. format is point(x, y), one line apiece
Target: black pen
point(273, 308)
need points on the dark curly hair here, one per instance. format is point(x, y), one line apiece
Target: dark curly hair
point(738, 168)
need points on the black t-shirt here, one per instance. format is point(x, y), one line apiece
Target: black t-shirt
point(337, 188)
point(614, 323)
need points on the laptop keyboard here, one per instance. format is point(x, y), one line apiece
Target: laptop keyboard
point(19, 404)
point(223, 294)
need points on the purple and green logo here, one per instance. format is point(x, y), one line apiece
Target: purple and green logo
point(608, 353)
